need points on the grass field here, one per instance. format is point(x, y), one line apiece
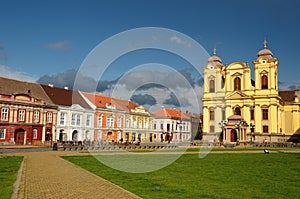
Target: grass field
point(274, 175)
point(9, 166)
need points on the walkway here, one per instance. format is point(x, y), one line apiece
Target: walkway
point(47, 176)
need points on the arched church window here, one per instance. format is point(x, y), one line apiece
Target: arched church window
point(237, 84)
point(211, 86)
point(264, 82)
point(237, 111)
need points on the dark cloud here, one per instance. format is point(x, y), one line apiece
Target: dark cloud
point(67, 78)
point(143, 99)
point(173, 100)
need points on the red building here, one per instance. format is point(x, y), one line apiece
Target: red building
point(27, 115)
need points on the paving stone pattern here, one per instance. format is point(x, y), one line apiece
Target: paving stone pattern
point(47, 176)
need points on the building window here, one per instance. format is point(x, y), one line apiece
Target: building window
point(252, 114)
point(73, 119)
point(265, 114)
point(237, 84)
point(146, 124)
point(88, 120)
point(34, 134)
point(78, 119)
point(4, 113)
point(211, 115)
point(141, 124)
point(100, 117)
point(49, 117)
point(21, 115)
point(2, 133)
point(127, 123)
point(110, 121)
point(211, 129)
point(36, 116)
point(119, 124)
point(211, 86)
point(265, 129)
point(237, 111)
point(62, 118)
point(161, 126)
point(264, 82)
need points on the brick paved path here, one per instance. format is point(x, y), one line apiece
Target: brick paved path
point(47, 176)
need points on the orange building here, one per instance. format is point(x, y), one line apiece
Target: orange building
point(109, 117)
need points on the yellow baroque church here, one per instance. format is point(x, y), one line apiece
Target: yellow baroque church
point(239, 109)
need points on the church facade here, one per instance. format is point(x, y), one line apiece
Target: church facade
point(237, 108)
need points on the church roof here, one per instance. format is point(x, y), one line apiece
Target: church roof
point(289, 95)
point(215, 60)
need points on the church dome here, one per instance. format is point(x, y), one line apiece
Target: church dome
point(215, 60)
point(265, 52)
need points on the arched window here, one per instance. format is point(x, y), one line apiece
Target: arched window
point(211, 86)
point(264, 82)
point(211, 115)
point(237, 84)
point(237, 111)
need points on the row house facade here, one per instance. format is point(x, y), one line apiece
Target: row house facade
point(108, 119)
point(31, 113)
point(139, 126)
point(27, 115)
point(172, 125)
point(75, 118)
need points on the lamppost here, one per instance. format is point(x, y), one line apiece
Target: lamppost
point(252, 127)
point(222, 124)
point(180, 126)
point(239, 124)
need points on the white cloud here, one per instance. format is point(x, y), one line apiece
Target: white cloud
point(7, 72)
point(62, 45)
point(180, 41)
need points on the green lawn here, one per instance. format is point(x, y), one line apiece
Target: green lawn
point(274, 175)
point(9, 166)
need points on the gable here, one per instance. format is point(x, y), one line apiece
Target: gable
point(236, 94)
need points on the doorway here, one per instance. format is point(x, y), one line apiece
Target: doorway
point(233, 135)
point(19, 136)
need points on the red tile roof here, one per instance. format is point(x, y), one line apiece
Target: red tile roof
point(65, 97)
point(13, 87)
point(170, 113)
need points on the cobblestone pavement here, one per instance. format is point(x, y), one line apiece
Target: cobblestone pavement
point(47, 176)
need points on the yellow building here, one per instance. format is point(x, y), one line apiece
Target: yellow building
point(239, 109)
point(139, 126)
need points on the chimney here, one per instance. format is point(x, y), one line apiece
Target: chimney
point(50, 85)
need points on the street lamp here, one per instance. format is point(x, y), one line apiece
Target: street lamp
point(180, 126)
point(239, 124)
point(222, 124)
point(251, 126)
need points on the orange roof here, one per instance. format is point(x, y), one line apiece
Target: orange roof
point(101, 101)
point(98, 100)
point(170, 113)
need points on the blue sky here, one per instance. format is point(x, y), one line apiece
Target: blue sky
point(48, 37)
